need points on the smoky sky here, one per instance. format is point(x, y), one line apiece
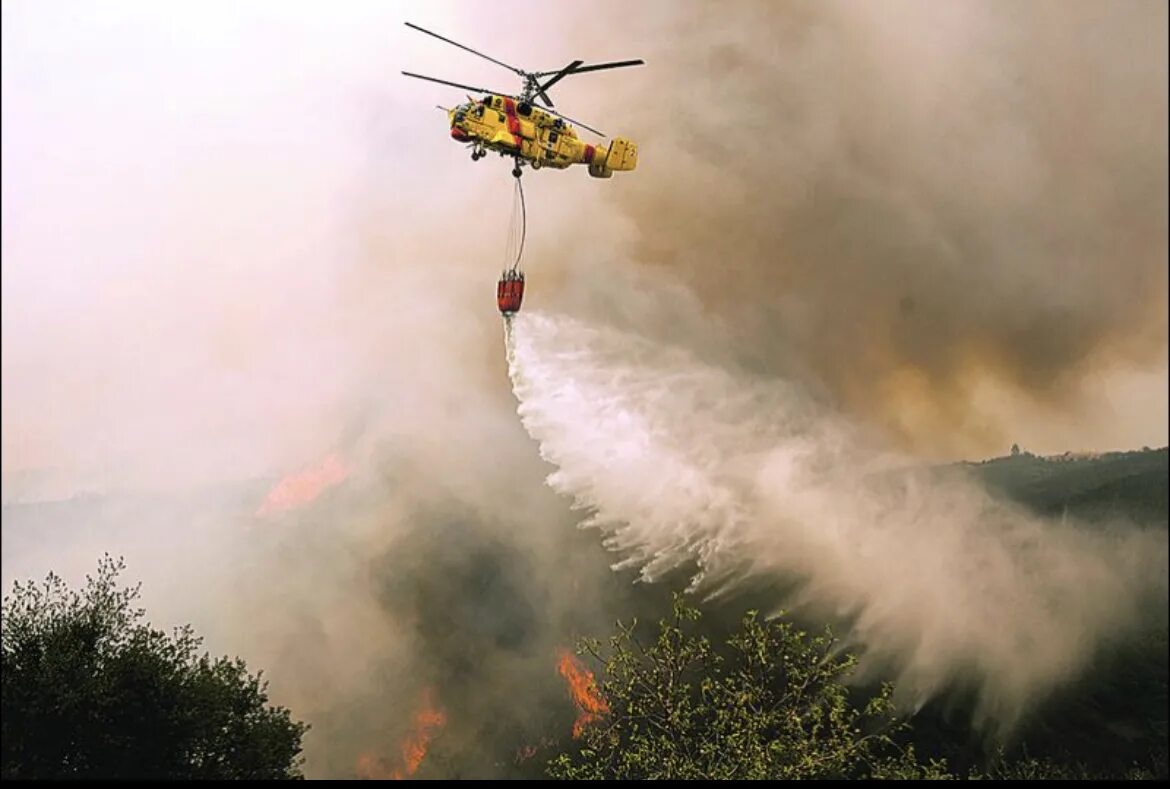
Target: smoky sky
point(911, 200)
point(952, 216)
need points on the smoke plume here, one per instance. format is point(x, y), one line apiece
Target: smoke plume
point(915, 203)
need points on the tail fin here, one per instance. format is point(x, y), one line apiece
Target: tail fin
point(623, 155)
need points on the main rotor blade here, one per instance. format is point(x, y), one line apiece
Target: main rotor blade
point(559, 76)
point(499, 93)
point(615, 64)
point(468, 49)
point(456, 84)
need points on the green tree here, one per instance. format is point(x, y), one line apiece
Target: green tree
point(89, 691)
point(772, 705)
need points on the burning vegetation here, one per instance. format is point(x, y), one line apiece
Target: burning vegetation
point(428, 720)
point(590, 703)
point(303, 487)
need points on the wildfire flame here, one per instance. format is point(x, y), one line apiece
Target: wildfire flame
point(302, 487)
point(425, 725)
point(583, 688)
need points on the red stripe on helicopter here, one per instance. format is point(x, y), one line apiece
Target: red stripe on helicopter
point(513, 123)
point(589, 151)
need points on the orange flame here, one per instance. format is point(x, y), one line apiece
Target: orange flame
point(302, 487)
point(428, 719)
point(425, 725)
point(583, 688)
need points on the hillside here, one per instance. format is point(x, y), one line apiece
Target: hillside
point(1130, 485)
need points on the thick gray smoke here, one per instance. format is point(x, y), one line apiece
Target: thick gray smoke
point(680, 463)
point(917, 203)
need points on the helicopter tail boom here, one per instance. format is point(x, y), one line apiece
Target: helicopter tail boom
point(622, 155)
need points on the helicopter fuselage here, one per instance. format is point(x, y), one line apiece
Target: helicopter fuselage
point(525, 132)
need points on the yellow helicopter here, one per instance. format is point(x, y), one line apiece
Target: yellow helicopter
point(512, 126)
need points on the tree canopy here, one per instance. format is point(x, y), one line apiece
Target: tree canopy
point(771, 703)
point(90, 691)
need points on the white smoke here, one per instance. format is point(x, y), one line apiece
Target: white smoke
point(682, 464)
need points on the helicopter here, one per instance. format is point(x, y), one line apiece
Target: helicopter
point(511, 125)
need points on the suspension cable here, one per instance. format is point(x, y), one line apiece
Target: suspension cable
point(523, 222)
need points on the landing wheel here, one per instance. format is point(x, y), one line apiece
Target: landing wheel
point(476, 156)
point(516, 172)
